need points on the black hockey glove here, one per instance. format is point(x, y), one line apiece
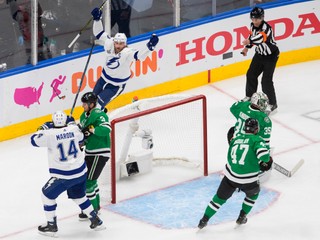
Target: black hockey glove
point(86, 131)
point(153, 42)
point(265, 166)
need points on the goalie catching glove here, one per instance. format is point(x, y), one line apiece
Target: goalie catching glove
point(265, 166)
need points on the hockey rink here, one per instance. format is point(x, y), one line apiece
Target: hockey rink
point(168, 202)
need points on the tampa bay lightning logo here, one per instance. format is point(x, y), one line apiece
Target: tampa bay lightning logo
point(113, 63)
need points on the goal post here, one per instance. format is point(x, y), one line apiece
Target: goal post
point(181, 120)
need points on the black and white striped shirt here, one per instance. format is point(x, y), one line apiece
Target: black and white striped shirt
point(263, 38)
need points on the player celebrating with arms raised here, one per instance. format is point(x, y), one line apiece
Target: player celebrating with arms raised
point(119, 57)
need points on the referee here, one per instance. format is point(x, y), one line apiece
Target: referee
point(265, 58)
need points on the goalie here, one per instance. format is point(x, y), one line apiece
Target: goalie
point(255, 108)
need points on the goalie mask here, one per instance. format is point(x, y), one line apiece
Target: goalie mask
point(251, 125)
point(59, 119)
point(260, 101)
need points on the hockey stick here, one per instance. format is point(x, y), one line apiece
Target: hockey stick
point(287, 172)
point(82, 77)
point(85, 26)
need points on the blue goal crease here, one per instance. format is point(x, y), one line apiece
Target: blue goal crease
point(182, 205)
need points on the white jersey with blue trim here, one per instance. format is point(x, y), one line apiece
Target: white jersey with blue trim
point(66, 160)
point(117, 65)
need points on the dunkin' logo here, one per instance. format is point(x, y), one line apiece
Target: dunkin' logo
point(138, 68)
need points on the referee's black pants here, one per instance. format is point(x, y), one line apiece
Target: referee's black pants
point(266, 65)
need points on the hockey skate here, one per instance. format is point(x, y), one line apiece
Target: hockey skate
point(96, 222)
point(83, 217)
point(50, 229)
point(242, 219)
point(203, 222)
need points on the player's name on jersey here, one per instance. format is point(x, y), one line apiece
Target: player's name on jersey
point(241, 141)
point(65, 135)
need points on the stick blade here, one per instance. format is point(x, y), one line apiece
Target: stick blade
point(281, 169)
point(296, 167)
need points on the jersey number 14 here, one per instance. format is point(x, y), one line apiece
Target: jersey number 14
point(72, 150)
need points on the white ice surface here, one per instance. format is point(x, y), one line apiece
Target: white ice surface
point(295, 215)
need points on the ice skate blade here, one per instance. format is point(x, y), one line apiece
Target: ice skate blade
point(100, 228)
point(49, 234)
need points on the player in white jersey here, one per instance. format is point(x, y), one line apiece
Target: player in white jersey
point(118, 59)
point(67, 169)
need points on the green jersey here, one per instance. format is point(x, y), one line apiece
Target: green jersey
point(97, 143)
point(244, 155)
point(243, 111)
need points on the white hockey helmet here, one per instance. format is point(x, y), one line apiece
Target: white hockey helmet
point(120, 37)
point(59, 119)
point(260, 100)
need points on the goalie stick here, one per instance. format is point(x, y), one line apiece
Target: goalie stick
point(287, 172)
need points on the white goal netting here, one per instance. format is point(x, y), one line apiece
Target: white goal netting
point(166, 130)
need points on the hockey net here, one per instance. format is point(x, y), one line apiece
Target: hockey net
point(167, 130)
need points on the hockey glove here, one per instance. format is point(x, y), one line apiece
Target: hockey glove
point(88, 131)
point(153, 42)
point(96, 14)
point(265, 166)
point(70, 120)
point(81, 146)
point(46, 126)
